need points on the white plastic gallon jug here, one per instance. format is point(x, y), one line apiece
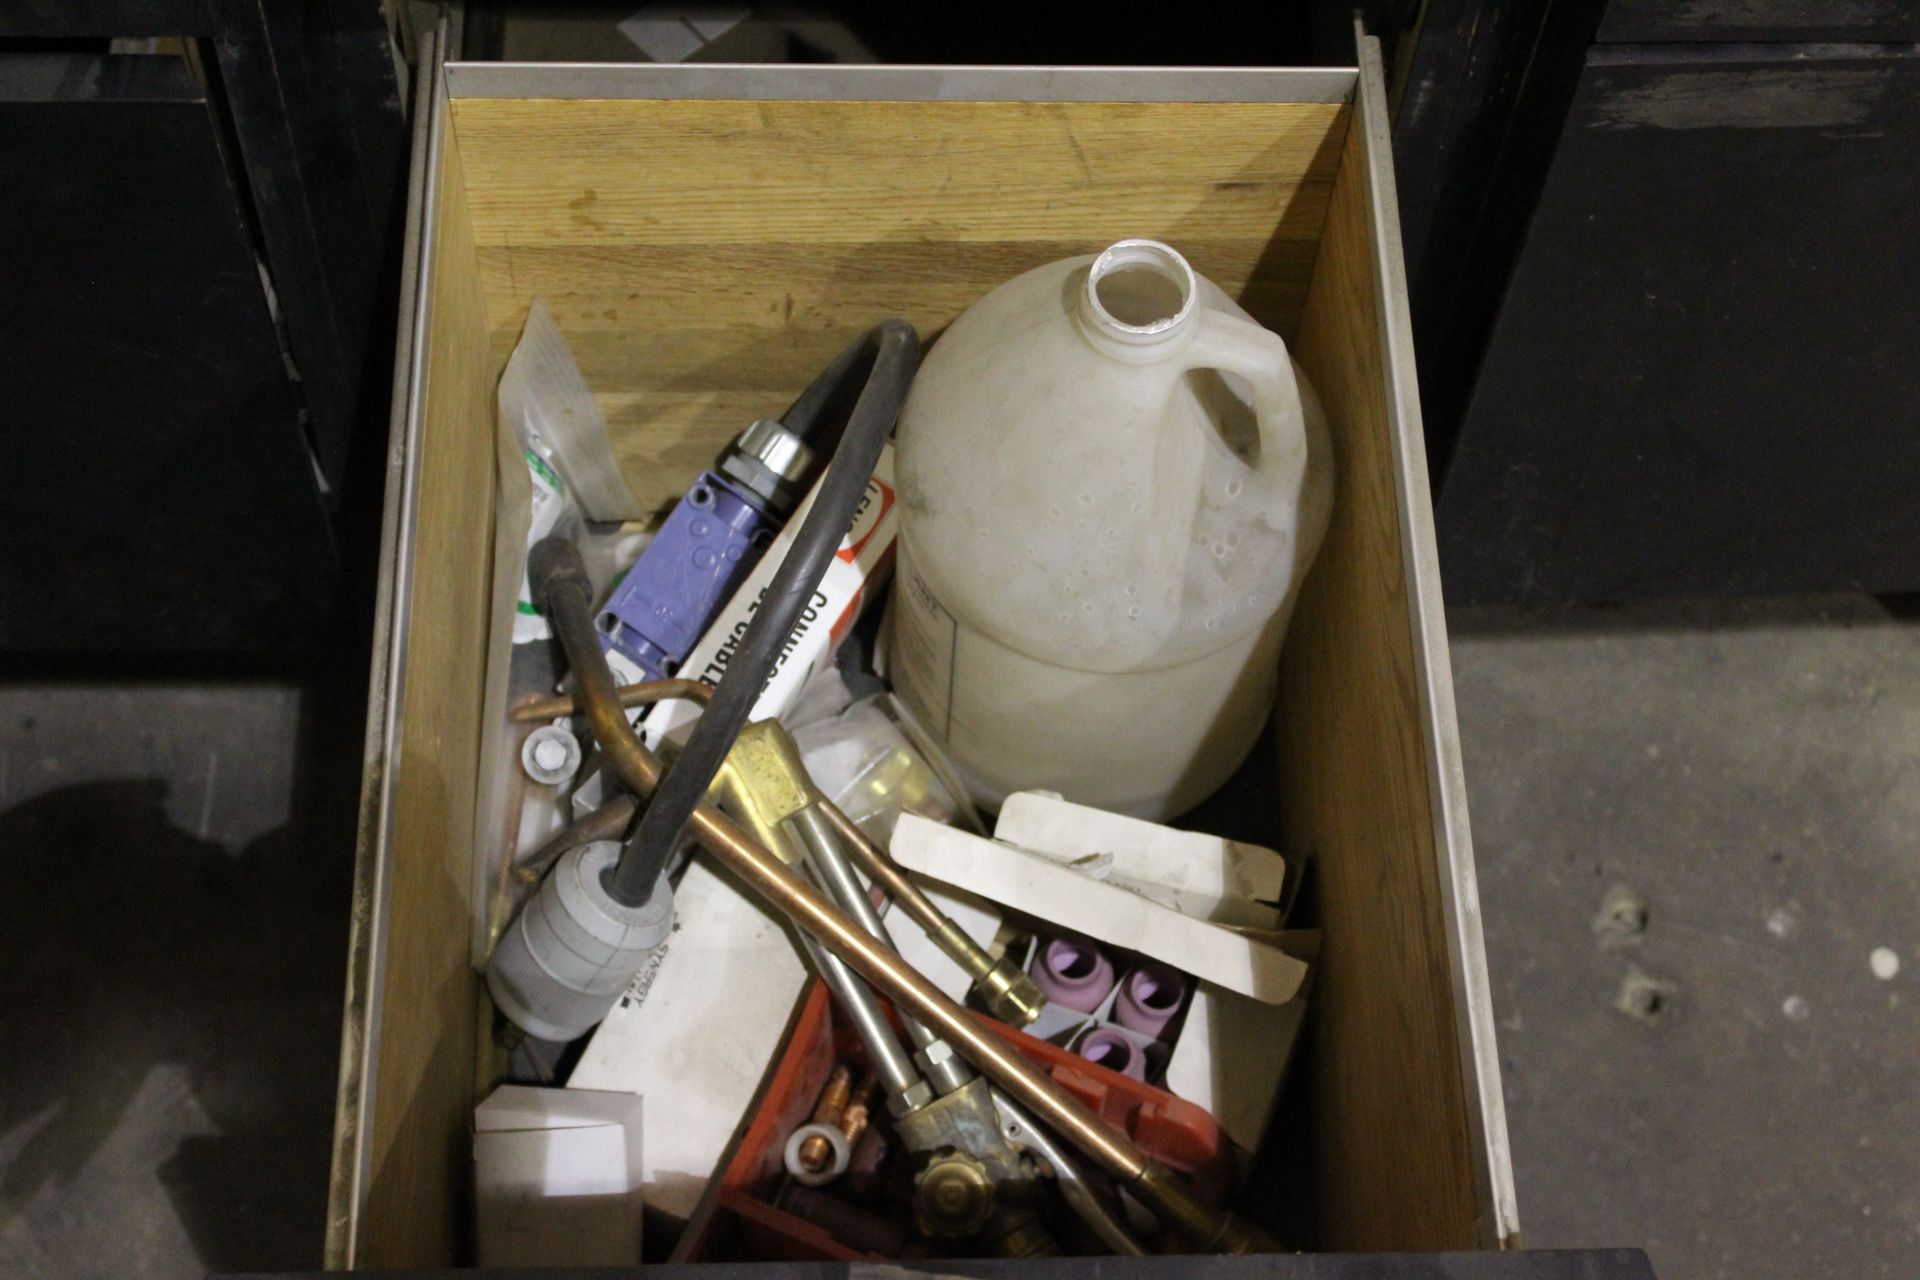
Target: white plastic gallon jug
point(1111, 482)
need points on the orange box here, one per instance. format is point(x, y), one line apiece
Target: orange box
point(741, 1221)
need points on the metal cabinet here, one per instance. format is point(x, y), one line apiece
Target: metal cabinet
point(1689, 370)
point(200, 201)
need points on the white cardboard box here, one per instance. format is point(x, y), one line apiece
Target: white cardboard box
point(1207, 877)
point(1232, 1058)
point(1198, 902)
point(557, 1178)
point(1047, 888)
point(700, 1027)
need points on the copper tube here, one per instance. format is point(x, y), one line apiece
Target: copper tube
point(565, 588)
point(608, 822)
point(642, 694)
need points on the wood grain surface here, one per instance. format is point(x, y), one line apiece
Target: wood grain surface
point(706, 258)
point(421, 1159)
point(1389, 1119)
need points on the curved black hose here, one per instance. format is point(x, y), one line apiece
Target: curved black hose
point(890, 353)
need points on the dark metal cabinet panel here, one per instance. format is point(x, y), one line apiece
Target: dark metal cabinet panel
point(1703, 374)
point(314, 97)
point(1865, 21)
point(312, 92)
point(157, 489)
point(1516, 1264)
point(69, 19)
point(1481, 102)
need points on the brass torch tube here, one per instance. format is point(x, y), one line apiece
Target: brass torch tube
point(567, 592)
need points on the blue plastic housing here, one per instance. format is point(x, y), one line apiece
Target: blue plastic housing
point(658, 612)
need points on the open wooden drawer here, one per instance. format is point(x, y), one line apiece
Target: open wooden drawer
point(707, 238)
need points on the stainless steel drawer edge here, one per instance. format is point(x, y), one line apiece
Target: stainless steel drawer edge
point(366, 950)
point(899, 83)
point(1446, 776)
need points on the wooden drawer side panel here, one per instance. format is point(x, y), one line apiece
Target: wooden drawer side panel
point(413, 1210)
point(1396, 1128)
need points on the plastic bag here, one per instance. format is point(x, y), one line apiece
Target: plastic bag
point(562, 434)
point(556, 474)
point(865, 762)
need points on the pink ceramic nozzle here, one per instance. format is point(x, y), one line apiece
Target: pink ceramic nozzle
point(1149, 997)
point(1112, 1049)
point(1073, 974)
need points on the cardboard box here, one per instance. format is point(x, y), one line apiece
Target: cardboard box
point(557, 1178)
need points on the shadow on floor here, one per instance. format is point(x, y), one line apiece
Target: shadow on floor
point(173, 1004)
point(133, 944)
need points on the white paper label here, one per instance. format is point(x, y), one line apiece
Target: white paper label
point(922, 661)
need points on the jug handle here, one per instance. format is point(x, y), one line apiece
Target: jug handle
point(1226, 342)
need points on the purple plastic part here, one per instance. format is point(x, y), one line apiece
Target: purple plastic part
point(657, 613)
point(1113, 1050)
point(1073, 974)
point(1148, 999)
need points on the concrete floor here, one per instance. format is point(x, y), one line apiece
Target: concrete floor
point(1727, 1084)
point(178, 856)
point(1713, 1066)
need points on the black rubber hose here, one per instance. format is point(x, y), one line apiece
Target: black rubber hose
point(890, 353)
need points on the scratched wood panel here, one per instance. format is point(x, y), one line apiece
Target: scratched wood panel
point(706, 258)
point(700, 172)
point(420, 1164)
point(1389, 1107)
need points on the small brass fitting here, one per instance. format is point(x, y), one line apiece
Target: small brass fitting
point(762, 783)
point(1024, 1235)
point(1009, 994)
point(816, 1152)
point(853, 1121)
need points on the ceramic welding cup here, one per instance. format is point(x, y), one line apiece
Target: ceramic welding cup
point(1149, 997)
point(1073, 973)
point(1114, 1050)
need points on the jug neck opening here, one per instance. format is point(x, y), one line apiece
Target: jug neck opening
point(1140, 298)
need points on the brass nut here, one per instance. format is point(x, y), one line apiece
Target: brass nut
point(910, 1099)
point(1009, 994)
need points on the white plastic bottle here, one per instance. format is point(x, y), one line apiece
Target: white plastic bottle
point(1112, 482)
